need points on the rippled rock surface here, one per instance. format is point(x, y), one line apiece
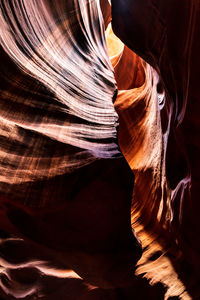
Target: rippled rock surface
point(65, 186)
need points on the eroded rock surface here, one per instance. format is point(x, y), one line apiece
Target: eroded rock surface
point(84, 248)
point(166, 34)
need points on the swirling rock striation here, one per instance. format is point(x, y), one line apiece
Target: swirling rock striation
point(57, 88)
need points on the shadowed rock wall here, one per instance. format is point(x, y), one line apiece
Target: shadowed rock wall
point(166, 35)
point(158, 135)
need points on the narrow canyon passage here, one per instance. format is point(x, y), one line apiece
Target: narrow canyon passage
point(153, 135)
point(68, 197)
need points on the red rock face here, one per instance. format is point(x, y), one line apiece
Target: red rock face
point(165, 34)
point(65, 186)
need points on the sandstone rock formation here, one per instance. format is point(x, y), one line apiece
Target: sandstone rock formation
point(65, 186)
point(165, 34)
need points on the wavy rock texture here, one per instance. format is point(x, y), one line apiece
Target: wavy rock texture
point(157, 108)
point(65, 187)
point(48, 41)
point(158, 121)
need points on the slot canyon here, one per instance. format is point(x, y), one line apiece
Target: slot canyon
point(99, 150)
